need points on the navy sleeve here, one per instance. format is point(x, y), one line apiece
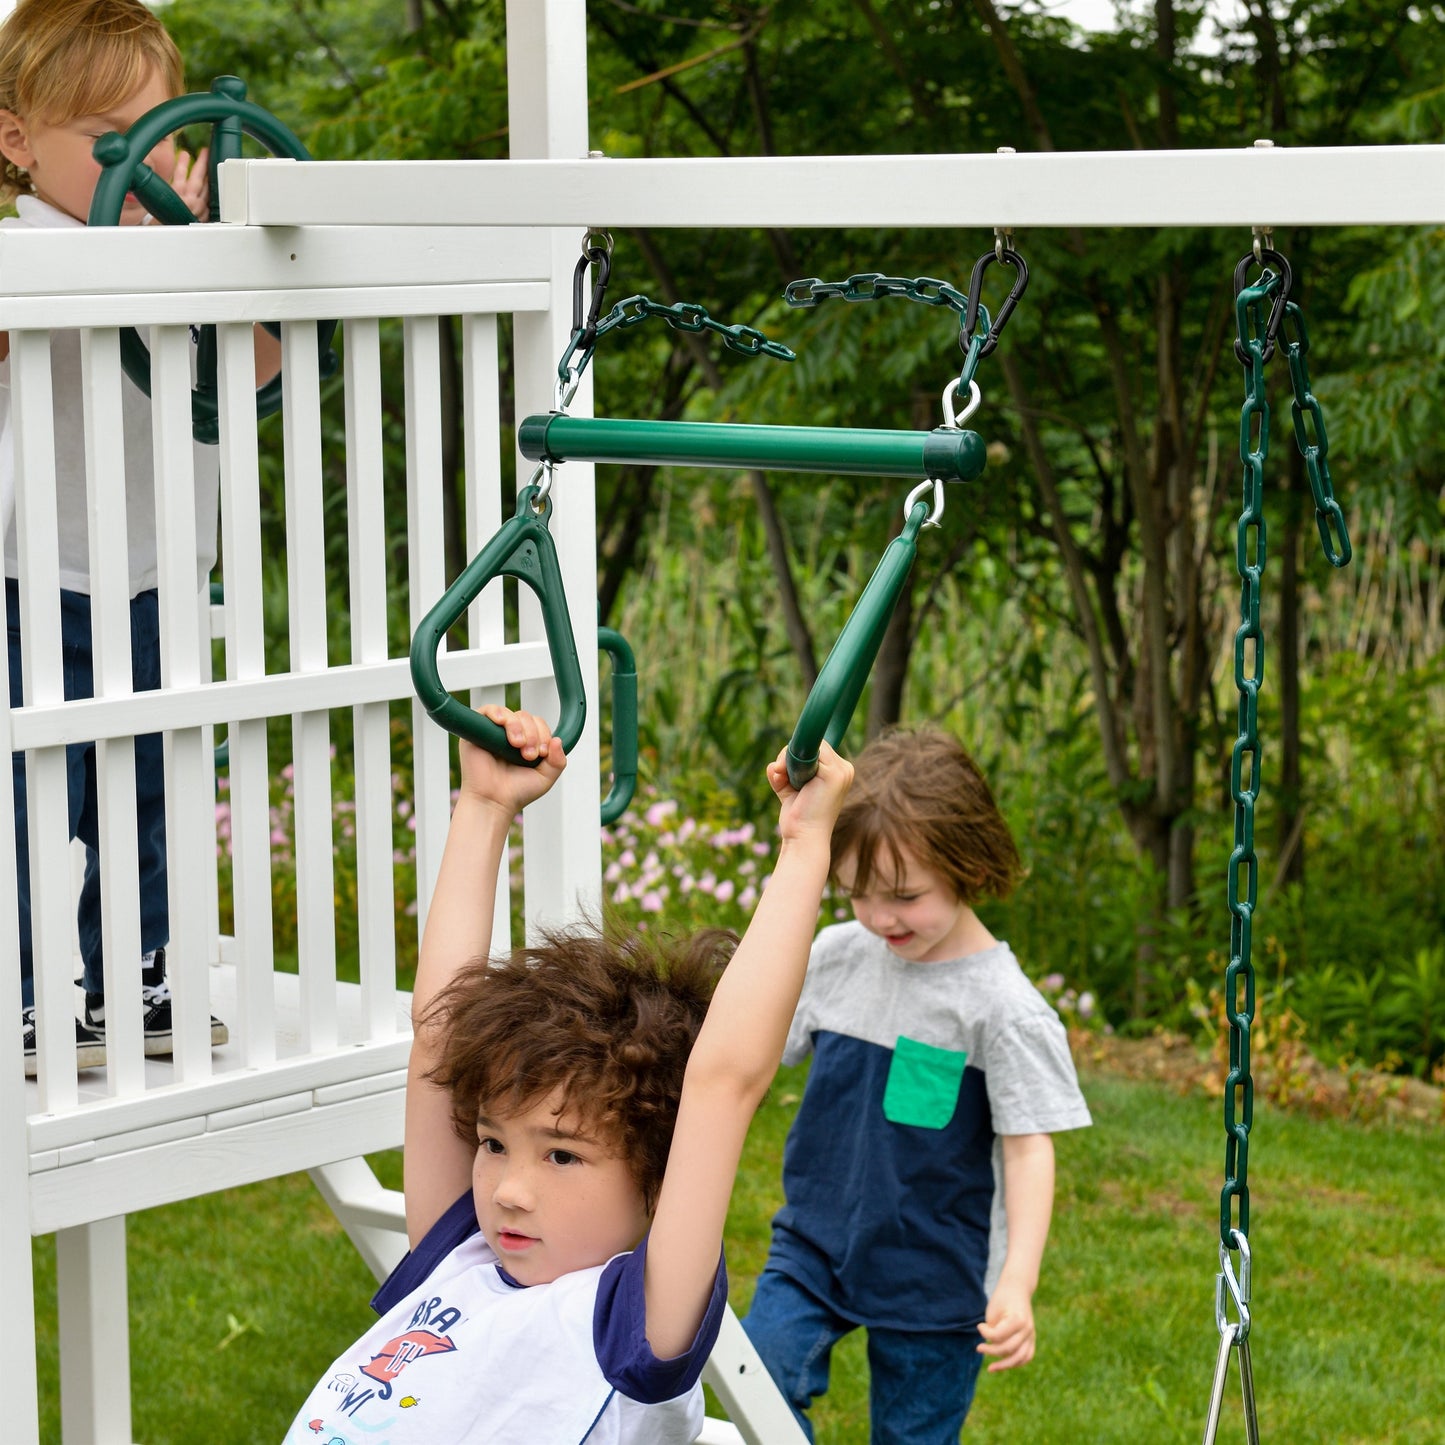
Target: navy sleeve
point(619, 1334)
point(457, 1224)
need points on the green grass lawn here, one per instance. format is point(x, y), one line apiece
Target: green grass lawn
point(240, 1300)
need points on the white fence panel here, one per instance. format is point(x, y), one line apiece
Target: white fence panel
point(314, 1072)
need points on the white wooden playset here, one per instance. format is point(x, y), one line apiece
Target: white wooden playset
point(312, 1077)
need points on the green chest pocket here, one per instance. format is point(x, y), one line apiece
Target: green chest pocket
point(923, 1084)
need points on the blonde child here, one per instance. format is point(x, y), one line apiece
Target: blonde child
point(919, 1173)
point(574, 1119)
point(71, 71)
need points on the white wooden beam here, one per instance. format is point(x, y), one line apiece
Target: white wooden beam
point(1264, 186)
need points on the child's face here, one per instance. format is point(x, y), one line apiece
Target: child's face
point(551, 1196)
point(913, 909)
point(62, 169)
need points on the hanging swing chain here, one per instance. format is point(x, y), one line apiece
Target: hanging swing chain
point(978, 333)
point(633, 311)
point(1263, 311)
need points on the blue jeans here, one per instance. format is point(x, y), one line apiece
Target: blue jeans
point(920, 1383)
point(78, 665)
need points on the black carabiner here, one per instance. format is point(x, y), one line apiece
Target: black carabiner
point(1008, 257)
point(584, 332)
point(1277, 306)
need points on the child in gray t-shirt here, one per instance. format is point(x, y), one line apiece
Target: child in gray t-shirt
point(919, 1174)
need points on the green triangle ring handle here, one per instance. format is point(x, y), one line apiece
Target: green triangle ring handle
point(835, 694)
point(522, 548)
point(123, 168)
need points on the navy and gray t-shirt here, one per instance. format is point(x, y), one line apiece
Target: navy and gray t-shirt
point(892, 1171)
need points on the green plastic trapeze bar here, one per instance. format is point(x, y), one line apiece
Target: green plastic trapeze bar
point(948, 454)
point(522, 548)
point(624, 723)
point(835, 694)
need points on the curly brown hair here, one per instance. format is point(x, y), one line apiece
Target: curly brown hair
point(609, 1019)
point(917, 788)
point(60, 59)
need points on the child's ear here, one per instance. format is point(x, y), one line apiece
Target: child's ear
point(15, 140)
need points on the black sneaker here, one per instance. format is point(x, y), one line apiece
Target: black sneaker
point(89, 1046)
point(156, 1000)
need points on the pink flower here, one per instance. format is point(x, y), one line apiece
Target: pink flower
point(651, 902)
point(747, 897)
point(724, 890)
point(658, 811)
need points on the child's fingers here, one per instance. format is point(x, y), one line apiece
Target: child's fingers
point(529, 734)
point(1009, 1342)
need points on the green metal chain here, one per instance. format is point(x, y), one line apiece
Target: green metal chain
point(1259, 309)
point(1334, 536)
point(874, 286)
point(683, 316)
point(978, 333)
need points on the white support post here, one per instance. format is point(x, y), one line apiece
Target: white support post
point(746, 1391)
point(91, 1288)
point(17, 1283)
point(547, 90)
point(374, 1218)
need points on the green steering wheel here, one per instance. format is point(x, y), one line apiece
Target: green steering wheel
point(123, 169)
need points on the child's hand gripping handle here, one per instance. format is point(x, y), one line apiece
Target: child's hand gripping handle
point(835, 694)
point(522, 548)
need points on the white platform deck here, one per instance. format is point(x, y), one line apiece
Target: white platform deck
point(242, 1125)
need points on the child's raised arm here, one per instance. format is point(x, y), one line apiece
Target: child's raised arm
point(438, 1165)
point(735, 1058)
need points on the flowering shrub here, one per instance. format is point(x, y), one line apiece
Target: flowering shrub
point(1078, 1010)
point(663, 864)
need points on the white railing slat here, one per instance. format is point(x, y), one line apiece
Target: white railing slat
point(371, 722)
point(426, 576)
point(310, 732)
point(249, 793)
point(51, 906)
point(111, 650)
point(482, 422)
point(190, 770)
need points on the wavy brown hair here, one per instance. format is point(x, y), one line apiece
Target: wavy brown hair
point(916, 788)
point(60, 59)
point(609, 1019)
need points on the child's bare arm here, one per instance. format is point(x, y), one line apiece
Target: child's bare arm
point(735, 1057)
point(438, 1165)
point(1028, 1172)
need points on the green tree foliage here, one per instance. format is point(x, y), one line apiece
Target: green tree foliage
point(1111, 406)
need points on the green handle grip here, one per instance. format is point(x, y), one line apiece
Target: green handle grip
point(624, 723)
point(522, 548)
point(123, 168)
point(830, 704)
point(948, 454)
